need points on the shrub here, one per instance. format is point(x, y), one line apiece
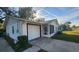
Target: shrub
point(2, 31)
point(59, 32)
point(23, 40)
point(21, 45)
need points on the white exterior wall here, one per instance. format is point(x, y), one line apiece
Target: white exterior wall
point(48, 35)
point(42, 31)
point(55, 28)
point(17, 26)
point(24, 28)
point(55, 24)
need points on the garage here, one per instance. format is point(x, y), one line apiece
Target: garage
point(33, 32)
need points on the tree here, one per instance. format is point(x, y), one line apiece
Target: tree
point(66, 26)
point(67, 23)
point(1, 21)
point(7, 11)
point(23, 12)
point(74, 27)
point(26, 12)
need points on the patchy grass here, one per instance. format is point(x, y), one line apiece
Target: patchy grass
point(42, 50)
point(72, 36)
point(73, 32)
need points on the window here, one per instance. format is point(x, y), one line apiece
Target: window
point(51, 29)
point(17, 28)
point(12, 29)
point(45, 30)
point(56, 28)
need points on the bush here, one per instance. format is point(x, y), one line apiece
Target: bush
point(59, 32)
point(23, 40)
point(2, 31)
point(21, 45)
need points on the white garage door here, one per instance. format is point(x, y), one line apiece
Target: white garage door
point(33, 32)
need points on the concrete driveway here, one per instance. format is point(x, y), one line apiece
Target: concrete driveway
point(4, 47)
point(53, 45)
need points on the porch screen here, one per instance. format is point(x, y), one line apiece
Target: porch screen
point(45, 29)
point(51, 29)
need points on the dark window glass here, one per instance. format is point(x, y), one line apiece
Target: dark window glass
point(45, 30)
point(17, 28)
point(51, 29)
point(12, 29)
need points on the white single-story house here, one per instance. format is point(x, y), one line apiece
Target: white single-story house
point(17, 27)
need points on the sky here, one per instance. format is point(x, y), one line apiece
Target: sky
point(62, 14)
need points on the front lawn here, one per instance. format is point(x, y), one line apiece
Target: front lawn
point(72, 36)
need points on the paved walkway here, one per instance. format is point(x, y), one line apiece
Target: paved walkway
point(53, 45)
point(32, 49)
point(4, 47)
point(48, 44)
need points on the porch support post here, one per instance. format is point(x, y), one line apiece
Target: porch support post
point(48, 30)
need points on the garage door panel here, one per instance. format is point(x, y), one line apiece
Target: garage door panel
point(33, 32)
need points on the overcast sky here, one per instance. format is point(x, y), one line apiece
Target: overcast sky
point(63, 14)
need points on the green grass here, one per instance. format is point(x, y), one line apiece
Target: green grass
point(72, 36)
point(42, 50)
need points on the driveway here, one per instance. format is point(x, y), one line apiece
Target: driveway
point(4, 47)
point(53, 45)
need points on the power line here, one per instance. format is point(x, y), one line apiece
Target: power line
point(48, 12)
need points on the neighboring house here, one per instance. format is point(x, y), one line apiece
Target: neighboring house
point(17, 27)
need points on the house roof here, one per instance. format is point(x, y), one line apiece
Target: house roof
point(53, 20)
point(31, 21)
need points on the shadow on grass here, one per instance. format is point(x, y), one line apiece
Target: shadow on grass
point(66, 37)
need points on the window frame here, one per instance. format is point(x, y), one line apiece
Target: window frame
point(12, 29)
point(45, 27)
point(51, 29)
